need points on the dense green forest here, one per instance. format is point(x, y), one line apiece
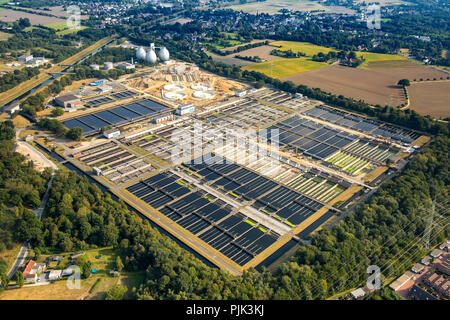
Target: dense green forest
point(21, 189)
point(13, 78)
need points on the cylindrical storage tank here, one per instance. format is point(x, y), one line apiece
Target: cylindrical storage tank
point(140, 53)
point(150, 56)
point(108, 65)
point(164, 54)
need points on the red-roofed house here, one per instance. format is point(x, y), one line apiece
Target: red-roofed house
point(31, 271)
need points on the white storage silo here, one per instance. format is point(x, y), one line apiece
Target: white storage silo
point(140, 53)
point(150, 56)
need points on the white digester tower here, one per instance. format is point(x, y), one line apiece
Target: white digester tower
point(140, 53)
point(150, 55)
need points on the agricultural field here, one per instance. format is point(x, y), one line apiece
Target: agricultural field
point(308, 48)
point(9, 15)
point(242, 44)
point(290, 67)
point(375, 84)
point(4, 36)
point(286, 67)
point(273, 6)
point(263, 52)
point(377, 60)
point(430, 98)
point(229, 59)
point(63, 29)
point(386, 2)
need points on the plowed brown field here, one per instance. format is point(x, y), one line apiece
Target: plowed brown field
point(431, 98)
point(375, 84)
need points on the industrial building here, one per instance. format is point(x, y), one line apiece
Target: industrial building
point(126, 66)
point(108, 65)
point(112, 133)
point(68, 101)
point(185, 109)
point(12, 108)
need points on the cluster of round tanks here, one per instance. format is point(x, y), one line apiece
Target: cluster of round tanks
point(150, 55)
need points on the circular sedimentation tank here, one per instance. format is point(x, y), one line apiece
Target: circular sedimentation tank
point(173, 87)
point(201, 87)
point(203, 95)
point(174, 95)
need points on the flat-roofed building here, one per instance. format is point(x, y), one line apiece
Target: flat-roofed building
point(126, 66)
point(444, 265)
point(68, 101)
point(112, 133)
point(400, 282)
point(12, 108)
point(418, 268)
point(185, 109)
point(54, 274)
point(25, 58)
point(358, 293)
point(436, 253)
point(445, 246)
point(426, 260)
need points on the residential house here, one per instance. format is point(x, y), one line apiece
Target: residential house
point(426, 260)
point(32, 270)
point(444, 265)
point(418, 268)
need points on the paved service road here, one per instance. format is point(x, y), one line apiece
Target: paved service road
point(19, 260)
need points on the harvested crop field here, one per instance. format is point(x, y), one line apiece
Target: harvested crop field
point(431, 98)
point(35, 19)
point(57, 11)
point(228, 59)
point(375, 84)
point(273, 7)
point(263, 52)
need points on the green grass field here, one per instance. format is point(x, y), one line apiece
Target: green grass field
point(378, 57)
point(62, 29)
point(308, 48)
point(69, 31)
point(285, 67)
point(57, 26)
